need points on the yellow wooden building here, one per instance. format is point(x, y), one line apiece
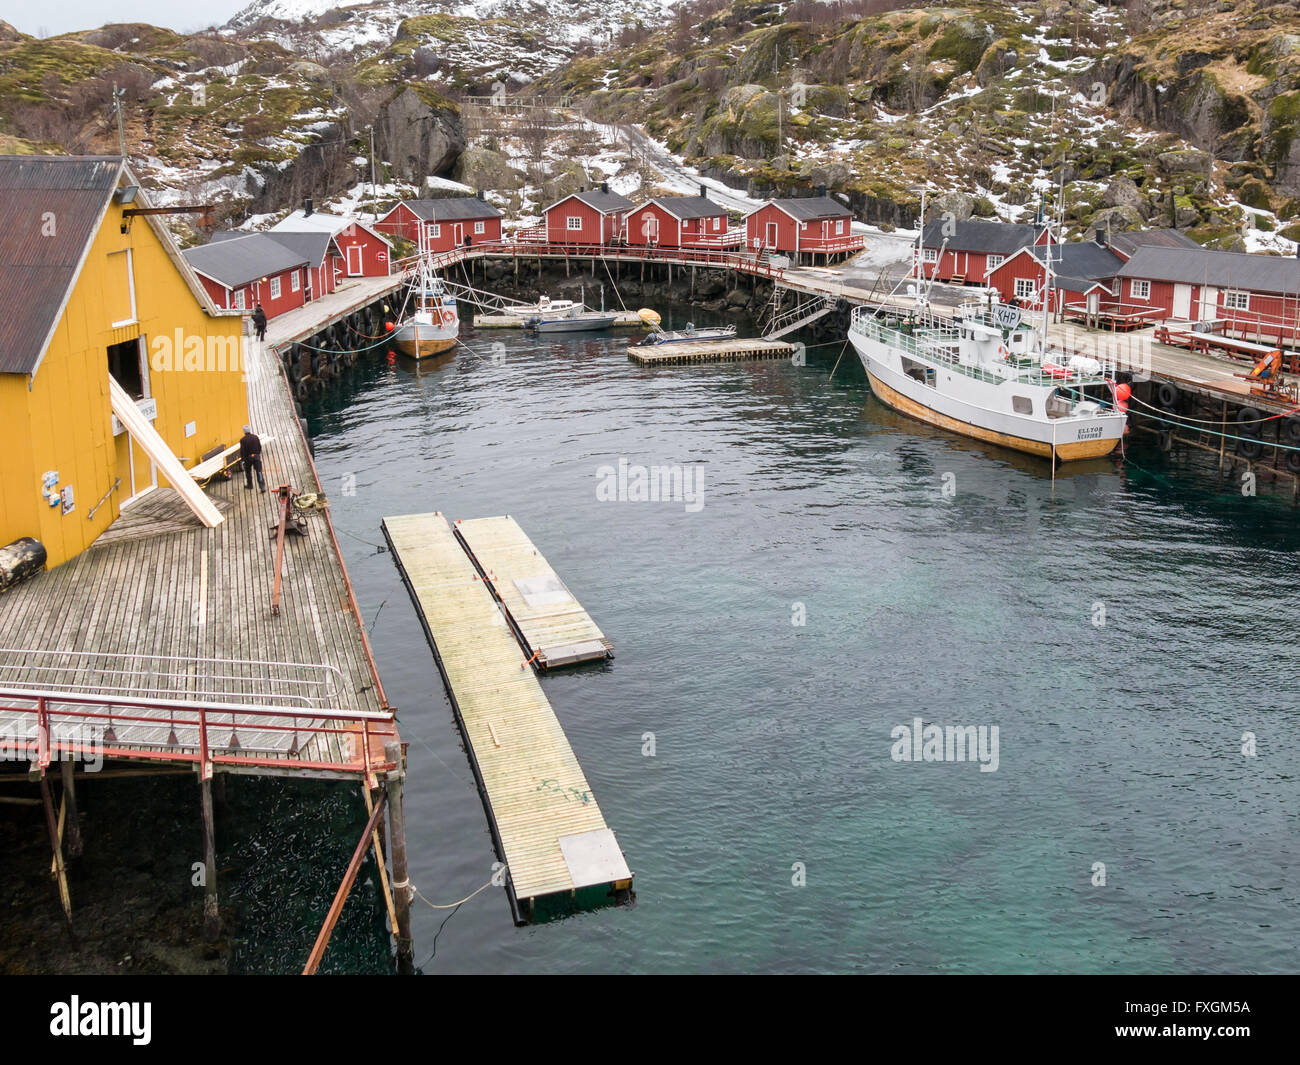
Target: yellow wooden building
point(92, 289)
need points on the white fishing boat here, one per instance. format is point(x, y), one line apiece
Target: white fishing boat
point(690, 334)
point(432, 325)
point(987, 374)
point(567, 316)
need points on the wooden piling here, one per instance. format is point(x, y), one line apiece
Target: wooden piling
point(397, 850)
point(211, 911)
point(73, 829)
point(60, 869)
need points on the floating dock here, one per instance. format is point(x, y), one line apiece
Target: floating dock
point(516, 321)
point(550, 623)
point(559, 853)
point(709, 351)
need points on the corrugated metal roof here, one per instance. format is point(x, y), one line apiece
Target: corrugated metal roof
point(1080, 261)
point(311, 246)
point(1129, 242)
point(1223, 269)
point(237, 262)
point(980, 236)
point(808, 207)
point(689, 206)
point(604, 202)
point(450, 208)
point(38, 264)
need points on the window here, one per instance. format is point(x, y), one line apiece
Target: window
point(1237, 301)
point(839, 226)
point(239, 299)
point(479, 227)
point(1025, 288)
point(930, 255)
point(119, 288)
point(435, 230)
point(1022, 404)
point(995, 261)
point(1140, 290)
point(293, 281)
point(573, 222)
point(717, 223)
point(275, 288)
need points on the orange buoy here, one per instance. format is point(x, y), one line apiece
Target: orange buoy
point(388, 327)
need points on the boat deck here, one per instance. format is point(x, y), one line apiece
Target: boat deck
point(550, 622)
point(709, 351)
point(549, 830)
point(161, 616)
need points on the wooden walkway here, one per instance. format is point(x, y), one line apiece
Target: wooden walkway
point(302, 322)
point(548, 829)
point(551, 624)
point(160, 608)
point(709, 351)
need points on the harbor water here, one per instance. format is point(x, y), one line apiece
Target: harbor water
point(830, 574)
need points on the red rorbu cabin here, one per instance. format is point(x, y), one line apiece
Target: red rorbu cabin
point(443, 223)
point(596, 216)
point(678, 222)
point(802, 228)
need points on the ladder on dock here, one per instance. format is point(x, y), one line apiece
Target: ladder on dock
point(550, 623)
point(798, 316)
point(549, 831)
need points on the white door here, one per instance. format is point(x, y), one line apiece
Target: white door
point(1183, 302)
point(457, 235)
point(651, 228)
point(354, 260)
point(1094, 302)
point(1209, 304)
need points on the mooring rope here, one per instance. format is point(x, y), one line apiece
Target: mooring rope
point(613, 283)
point(450, 905)
point(1217, 421)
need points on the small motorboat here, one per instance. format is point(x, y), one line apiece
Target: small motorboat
point(566, 316)
point(690, 333)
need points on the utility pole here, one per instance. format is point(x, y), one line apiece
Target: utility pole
point(372, 171)
point(121, 131)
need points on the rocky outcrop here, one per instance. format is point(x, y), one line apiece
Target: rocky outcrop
point(419, 133)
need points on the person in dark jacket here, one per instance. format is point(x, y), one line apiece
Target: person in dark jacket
point(259, 322)
point(250, 453)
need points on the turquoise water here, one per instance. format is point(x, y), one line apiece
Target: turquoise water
point(1119, 743)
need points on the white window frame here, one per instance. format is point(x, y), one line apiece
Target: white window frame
point(238, 302)
point(994, 261)
point(435, 230)
point(1230, 305)
point(839, 227)
point(130, 288)
point(1026, 288)
point(573, 222)
point(294, 284)
point(1139, 290)
point(717, 223)
point(275, 288)
point(929, 255)
point(480, 228)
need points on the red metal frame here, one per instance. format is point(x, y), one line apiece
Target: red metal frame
point(90, 709)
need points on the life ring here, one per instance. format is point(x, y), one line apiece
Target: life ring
point(448, 317)
point(1167, 395)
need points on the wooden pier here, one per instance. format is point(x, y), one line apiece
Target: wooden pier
point(622, 319)
point(549, 832)
point(550, 623)
point(709, 351)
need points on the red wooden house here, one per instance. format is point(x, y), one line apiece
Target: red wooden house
point(802, 228)
point(1251, 295)
point(596, 216)
point(678, 222)
point(1083, 274)
point(359, 249)
point(443, 223)
point(242, 271)
point(965, 252)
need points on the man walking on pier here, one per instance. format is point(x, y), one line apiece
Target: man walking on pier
point(250, 453)
point(259, 322)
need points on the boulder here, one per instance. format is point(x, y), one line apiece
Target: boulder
point(1184, 161)
point(1123, 192)
point(1117, 219)
point(419, 133)
point(961, 205)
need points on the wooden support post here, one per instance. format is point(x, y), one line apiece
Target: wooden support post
point(60, 869)
point(397, 849)
point(211, 912)
point(70, 800)
point(1223, 436)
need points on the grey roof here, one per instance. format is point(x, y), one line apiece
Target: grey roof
point(1129, 241)
point(236, 262)
point(688, 206)
point(1080, 265)
point(37, 268)
point(1223, 269)
point(311, 246)
point(604, 202)
point(981, 236)
point(808, 207)
point(451, 208)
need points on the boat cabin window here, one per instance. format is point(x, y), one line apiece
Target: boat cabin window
point(1022, 404)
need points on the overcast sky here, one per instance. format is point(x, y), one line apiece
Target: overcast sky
point(64, 16)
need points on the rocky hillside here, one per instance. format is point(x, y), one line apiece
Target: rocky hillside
point(1150, 112)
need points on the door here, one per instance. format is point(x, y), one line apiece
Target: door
point(826, 232)
point(771, 234)
point(650, 227)
point(457, 235)
point(128, 365)
point(354, 260)
point(1209, 304)
point(1182, 302)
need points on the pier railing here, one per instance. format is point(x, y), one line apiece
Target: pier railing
point(54, 723)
